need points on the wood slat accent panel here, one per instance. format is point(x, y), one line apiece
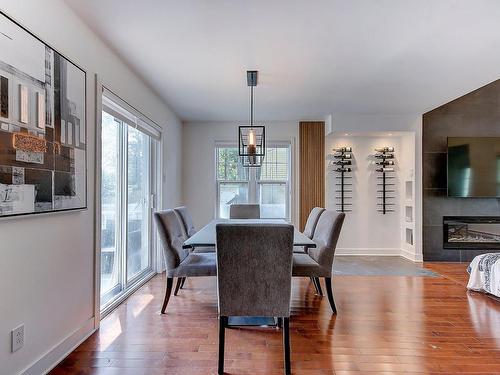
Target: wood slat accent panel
point(311, 168)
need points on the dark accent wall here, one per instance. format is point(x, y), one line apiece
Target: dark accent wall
point(476, 114)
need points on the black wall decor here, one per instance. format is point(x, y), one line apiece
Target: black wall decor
point(476, 114)
point(384, 160)
point(343, 163)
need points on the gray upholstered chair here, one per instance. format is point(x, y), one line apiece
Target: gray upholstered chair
point(186, 219)
point(189, 228)
point(254, 274)
point(244, 211)
point(180, 262)
point(318, 261)
point(310, 227)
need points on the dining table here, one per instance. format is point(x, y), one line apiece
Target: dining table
point(206, 237)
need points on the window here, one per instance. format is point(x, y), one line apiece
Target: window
point(232, 180)
point(268, 185)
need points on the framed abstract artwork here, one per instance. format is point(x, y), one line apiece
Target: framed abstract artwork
point(43, 133)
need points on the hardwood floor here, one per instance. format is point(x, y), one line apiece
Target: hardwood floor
point(385, 324)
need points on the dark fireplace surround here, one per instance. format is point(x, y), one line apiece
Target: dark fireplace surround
point(471, 232)
point(476, 114)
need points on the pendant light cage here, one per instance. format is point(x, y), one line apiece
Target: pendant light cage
point(252, 145)
point(252, 138)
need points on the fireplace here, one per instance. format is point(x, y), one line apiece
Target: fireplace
point(471, 232)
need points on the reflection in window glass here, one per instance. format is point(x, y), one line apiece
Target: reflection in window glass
point(229, 167)
point(275, 165)
point(231, 193)
point(137, 197)
point(110, 250)
point(273, 198)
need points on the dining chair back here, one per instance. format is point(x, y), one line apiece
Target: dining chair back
point(186, 219)
point(244, 211)
point(254, 269)
point(312, 221)
point(172, 237)
point(254, 274)
point(326, 237)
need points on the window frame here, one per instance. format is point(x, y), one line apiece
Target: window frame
point(254, 184)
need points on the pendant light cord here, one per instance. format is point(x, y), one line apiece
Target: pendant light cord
point(251, 106)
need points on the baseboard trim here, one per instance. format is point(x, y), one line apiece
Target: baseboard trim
point(411, 256)
point(60, 351)
point(368, 251)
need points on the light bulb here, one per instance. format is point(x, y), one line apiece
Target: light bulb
point(251, 138)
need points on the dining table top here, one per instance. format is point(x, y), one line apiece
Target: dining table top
point(206, 236)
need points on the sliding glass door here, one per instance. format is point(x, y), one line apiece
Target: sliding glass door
point(138, 212)
point(111, 277)
point(127, 190)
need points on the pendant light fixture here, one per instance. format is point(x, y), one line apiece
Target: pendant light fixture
point(252, 138)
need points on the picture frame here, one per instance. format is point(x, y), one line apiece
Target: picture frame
point(43, 126)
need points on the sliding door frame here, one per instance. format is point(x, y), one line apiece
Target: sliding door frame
point(155, 201)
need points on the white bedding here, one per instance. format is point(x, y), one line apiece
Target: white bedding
point(484, 273)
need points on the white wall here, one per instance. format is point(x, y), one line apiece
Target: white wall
point(47, 262)
point(363, 124)
point(365, 230)
point(198, 158)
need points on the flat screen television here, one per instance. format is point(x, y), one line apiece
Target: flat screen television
point(474, 167)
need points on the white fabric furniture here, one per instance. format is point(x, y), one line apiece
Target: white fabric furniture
point(484, 273)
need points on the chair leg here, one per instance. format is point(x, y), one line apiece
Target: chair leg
point(286, 344)
point(279, 322)
point(222, 326)
point(313, 281)
point(168, 291)
point(178, 285)
point(317, 285)
point(183, 281)
point(328, 282)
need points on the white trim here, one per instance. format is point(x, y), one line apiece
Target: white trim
point(117, 302)
point(97, 203)
point(411, 255)
point(378, 252)
point(122, 110)
point(60, 351)
point(369, 251)
point(291, 183)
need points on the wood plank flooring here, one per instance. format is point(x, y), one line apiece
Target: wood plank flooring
point(385, 325)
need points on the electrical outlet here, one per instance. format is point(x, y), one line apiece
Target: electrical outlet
point(17, 338)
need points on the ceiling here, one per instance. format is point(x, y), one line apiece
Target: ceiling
point(314, 57)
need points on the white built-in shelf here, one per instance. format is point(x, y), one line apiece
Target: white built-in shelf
point(409, 214)
point(409, 190)
point(409, 236)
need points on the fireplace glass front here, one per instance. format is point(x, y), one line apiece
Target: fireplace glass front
point(478, 232)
